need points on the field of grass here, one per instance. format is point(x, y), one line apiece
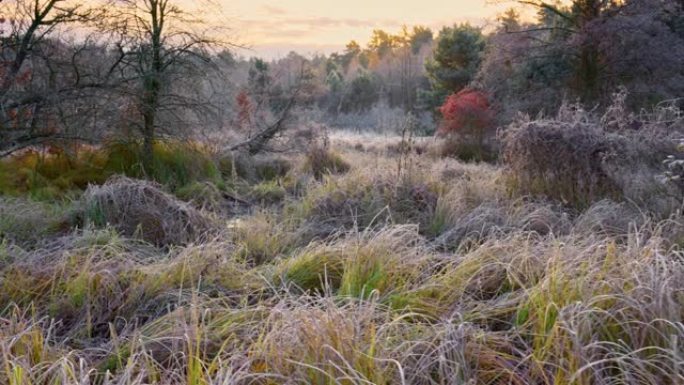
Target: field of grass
point(360, 264)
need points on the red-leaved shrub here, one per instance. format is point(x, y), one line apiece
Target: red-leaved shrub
point(466, 113)
point(466, 117)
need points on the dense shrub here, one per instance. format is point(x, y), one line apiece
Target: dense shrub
point(574, 158)
point(466, 122)
point(562, 161)
point(467, 113)
point(532, 66)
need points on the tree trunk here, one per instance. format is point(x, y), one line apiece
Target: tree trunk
point(152, 85)
point(589, 72)
point(150, 104)
point(148, 142)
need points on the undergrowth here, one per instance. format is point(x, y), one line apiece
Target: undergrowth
point(55, 173)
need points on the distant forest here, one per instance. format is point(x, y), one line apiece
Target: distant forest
point(147, 69)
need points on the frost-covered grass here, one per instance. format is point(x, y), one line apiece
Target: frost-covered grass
point(430, 273)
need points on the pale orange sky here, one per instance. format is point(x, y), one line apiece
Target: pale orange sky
point(274, 27)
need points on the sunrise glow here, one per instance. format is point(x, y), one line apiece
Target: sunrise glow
point(273, 28)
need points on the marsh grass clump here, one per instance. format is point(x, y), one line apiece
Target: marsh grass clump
point(320, 161)
point(358, 265)
point(340, 339)
point(237, 165)
point(469, 225)
point(52, 173)
point(379, 306)
point(81, 285)
point(454, 146)
point(610, 218)
point(271, 167)
point(176, 164)
point(141, 208)
point(268, 193)
point(361, 200)
point(557, 301)
point(88, 264)
point(263, 237)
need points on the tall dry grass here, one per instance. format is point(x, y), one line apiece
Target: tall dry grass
point(436, 274)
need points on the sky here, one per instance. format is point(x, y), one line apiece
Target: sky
point(273, 28)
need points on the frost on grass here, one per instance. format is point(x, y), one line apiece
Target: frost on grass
point(142, 209)
point(438, 275)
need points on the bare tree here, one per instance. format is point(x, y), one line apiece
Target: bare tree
point(161, 45)
point(30, 81)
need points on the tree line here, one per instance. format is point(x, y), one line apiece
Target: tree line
point(149, 69)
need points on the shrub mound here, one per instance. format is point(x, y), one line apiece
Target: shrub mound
point(141, 209)
point(579, 159)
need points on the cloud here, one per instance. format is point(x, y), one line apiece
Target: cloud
point(273, 11)
point(306, 23)
point(282, 28)
point(329, 22)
